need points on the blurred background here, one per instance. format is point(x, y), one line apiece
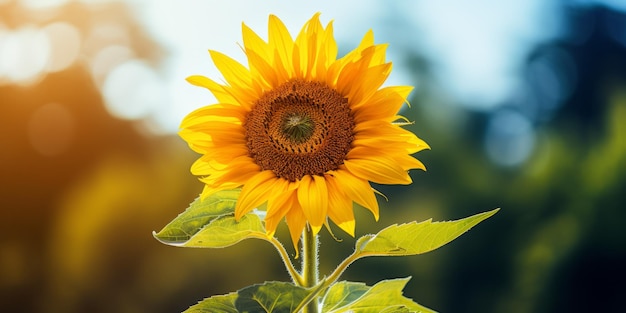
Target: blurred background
point(523, 103)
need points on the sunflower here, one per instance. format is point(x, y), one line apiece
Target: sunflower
point(301, 130)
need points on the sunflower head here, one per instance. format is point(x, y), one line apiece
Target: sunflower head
point(301, 130)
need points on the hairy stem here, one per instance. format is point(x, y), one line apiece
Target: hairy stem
point(310, 265)
point(295, 277)
point(334, 276)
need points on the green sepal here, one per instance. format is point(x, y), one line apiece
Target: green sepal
point(210, 223)
point(416, 238)
point(385, 296)
point(274, 297)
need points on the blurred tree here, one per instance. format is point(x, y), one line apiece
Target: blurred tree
point(81, 191)
point(557, 243)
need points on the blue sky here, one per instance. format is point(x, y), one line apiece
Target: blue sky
point(476, 46)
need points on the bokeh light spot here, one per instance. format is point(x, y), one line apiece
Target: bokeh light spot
point(132, 90)
point(107, 59)
point(42, 4)
point(105, 34)
point(554, 75)
point(510, 138)
point(24, 54)
point(51, 129)
point(65, 45)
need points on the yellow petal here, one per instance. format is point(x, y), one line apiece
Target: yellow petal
point(262, 70)
point(201, 167)
point(220, 111)
point(219, 132)
point(238, 77)
point(197, 141)
point(378, 56)
point(234, 73)
point(280, 41)
point(416, 144)
point(252, 42)
point(307, 43)
point(209, 190)
point(367, 41)
point(381, 129)
point(388, 139)
point(379, 170)
point(296, 221)
point(328, 52)
point(383, 105)
point(226, 153)
point(358, 81)
point(239, 171)
point(216, 89)
point(334, 69)
point(383, 144)
point(367, 82)
point(340, 208)
point(255, 192)
point(313, 198)
point(279, 205)
point(357, 189)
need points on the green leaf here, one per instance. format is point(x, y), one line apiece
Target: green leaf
point(210, 223)
point(215, 304)
point(416, 238)
point(385, 296)
point(343, 293)
point(275, 297)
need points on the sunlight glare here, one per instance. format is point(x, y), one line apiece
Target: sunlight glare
point(24, 54)
point(132, 90)
point(65, 43)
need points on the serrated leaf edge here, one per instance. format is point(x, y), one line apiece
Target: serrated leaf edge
point(364, 240)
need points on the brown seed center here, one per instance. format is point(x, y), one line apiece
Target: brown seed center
point(300, 128)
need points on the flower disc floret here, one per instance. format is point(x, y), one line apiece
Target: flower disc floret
point(300, 128)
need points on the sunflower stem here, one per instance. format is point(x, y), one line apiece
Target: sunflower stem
point(310, 265)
